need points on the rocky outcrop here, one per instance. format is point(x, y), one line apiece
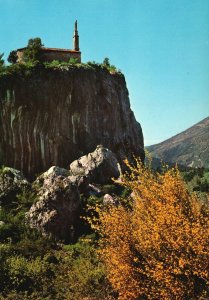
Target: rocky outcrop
point(100, 166)
point(57, 202)
point(56, 210)
point(53, 116)
point(12, 182)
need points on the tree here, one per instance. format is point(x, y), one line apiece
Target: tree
point(108, 66)
point(157, 248)
point(106, 62)
point(12, 58)
point(33, 51)
point(1, 60)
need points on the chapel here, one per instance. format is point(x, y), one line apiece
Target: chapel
point(50, 54)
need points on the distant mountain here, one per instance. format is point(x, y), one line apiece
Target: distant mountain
point(189, 148)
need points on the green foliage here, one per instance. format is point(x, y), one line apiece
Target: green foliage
point(22, 274)
point(1, 59)
point(59, 64)
point(84, 273)
point(32, 58)
point(72, 273)
point(108, 66)
point(25, 199)
point(33, 51)
point(73, 60)
point(106, 62)
point(93, 63)
point(2, 65)
point(115, 189)
point(23, 70)
point(53, 64)
point(34, 267)
point(197, 179)
point(12, 58)
point(12, 214)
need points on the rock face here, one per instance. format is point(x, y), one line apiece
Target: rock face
point(57, 208)
point(53, 116)
point(100, 166)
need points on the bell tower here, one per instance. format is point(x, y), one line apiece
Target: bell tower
point(76, 37)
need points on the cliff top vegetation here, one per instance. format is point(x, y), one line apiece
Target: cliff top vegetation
point(24, 69)
point(32, 60)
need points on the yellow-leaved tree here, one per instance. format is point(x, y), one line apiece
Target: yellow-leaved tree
point(157, 247)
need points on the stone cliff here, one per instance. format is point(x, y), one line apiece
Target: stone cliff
point(53, 116)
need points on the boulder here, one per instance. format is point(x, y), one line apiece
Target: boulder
point(56, 211)
point(108, 200)
point(100, 166)
point(82, 182)
point(48, 177)
point(12, 182)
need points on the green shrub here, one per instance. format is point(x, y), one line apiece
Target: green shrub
point(84, 273)
point(53, 64)
point(33, 52)
point(73, 60)
point(12, 213)
point(27, 273)
point(12, 58)
point(30, 65)
point(115, 189)
point(72, 273)
point(108, 66)
point(1, 60)
point(197, 179)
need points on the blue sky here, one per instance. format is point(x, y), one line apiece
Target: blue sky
point(161, 46)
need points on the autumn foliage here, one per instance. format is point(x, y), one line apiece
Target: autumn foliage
point(155, 246)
